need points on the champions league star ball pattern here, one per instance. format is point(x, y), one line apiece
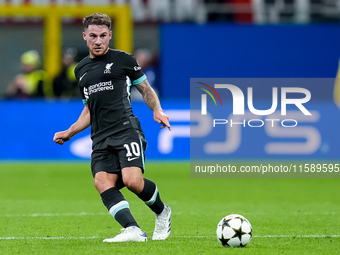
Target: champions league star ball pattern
point(234, 230)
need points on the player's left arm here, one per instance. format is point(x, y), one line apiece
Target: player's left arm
point(152, 101)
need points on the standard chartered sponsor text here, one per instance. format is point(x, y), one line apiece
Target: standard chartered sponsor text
point(101, 86)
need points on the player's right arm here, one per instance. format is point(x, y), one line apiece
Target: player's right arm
point(82, 123)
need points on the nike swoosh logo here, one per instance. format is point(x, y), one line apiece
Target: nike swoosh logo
point(81, 77)
point(130, 159)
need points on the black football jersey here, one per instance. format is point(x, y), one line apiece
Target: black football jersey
point(105, 83)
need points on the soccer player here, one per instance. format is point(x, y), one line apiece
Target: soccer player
point(118, 142)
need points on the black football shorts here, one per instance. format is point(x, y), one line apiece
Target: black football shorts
point(123, 149)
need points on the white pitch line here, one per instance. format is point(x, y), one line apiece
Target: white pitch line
point(51, 214)
point(46, 237)
point(297, 236)
point(104, 213)
point(97, 237)
point(270, 236)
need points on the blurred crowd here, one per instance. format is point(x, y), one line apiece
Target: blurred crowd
point(32, 81)
point(254, 11)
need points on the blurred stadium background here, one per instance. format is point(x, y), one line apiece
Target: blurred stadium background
point(51, 207)
point(187, 39)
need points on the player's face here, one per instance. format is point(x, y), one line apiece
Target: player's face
point(97, 38)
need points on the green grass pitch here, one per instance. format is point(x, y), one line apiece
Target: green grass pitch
point(53, 208)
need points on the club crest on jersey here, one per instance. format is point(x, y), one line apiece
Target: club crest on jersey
point(108, 68)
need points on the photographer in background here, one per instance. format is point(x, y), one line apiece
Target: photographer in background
point(65, 83)
point(29, 83)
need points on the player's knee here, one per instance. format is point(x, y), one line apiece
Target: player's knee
point(100, 185)
point(102, 182)
point(98, 182)
point(134, 184)
point(133, 179)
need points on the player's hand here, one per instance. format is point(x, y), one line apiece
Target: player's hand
point(160, 117)
point(61, 137)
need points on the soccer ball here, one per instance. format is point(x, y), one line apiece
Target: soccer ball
point(234, 230)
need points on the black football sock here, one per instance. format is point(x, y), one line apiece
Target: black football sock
point(118, 207)
point(150, 196)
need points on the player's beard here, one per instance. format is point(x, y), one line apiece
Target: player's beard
point(98, 51)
